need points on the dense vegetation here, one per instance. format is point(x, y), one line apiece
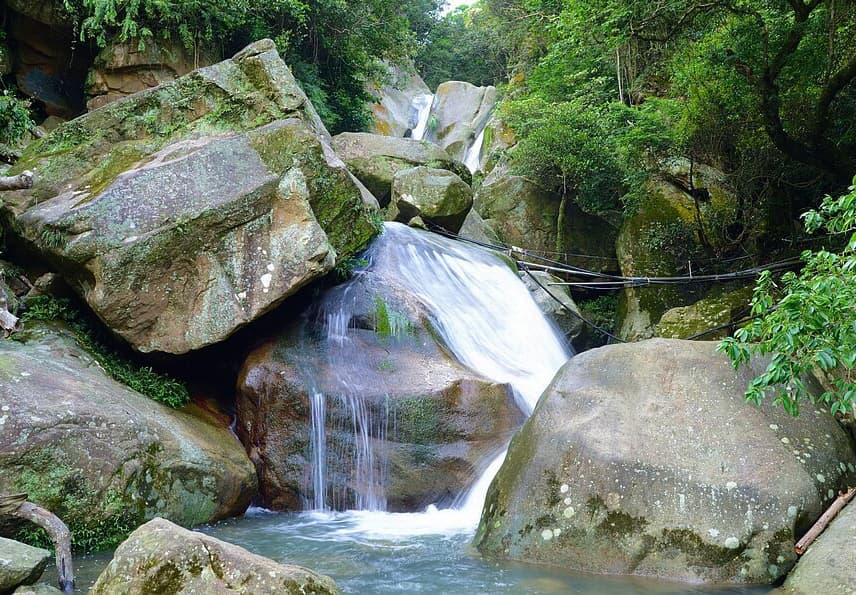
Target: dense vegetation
point(604, 91)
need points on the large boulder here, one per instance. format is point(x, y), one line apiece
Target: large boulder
point(404, 425)
point(395, 114)
point(358, 405)
point(434, 195)
point(829, 565)
point(646, 459)
point(186, 211)
point(20, 564)
point(526, 215)
point(161, 557)
point(375, 159)
point(125, 67)
point(103, 457)
point(459, 112)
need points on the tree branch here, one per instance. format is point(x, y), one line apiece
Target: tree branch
point(20, 182)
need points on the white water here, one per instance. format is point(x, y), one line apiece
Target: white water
point(473, 157)
point(421, 106)
point(484, 315)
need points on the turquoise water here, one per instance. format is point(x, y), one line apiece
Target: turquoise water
point(381, 553)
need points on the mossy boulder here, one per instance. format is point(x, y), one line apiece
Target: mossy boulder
point(20, 564)
point(184, 212)
point(105, 458)
point(459, 111)
point(662, 236)
point(375, 159)
point(526, 215)
point(715, 311)
point(161, 557)
point(434, 195)
point(829, 565)
point(646, 459)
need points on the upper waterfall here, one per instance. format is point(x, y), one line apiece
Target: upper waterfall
point(420, 112)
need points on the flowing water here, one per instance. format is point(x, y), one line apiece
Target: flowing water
point(473, 157)
point(421, 108)
point(479, 311)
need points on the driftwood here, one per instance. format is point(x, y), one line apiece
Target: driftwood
point(823, 521)
point(16, 505)
point(8, 321)
point(19, 182)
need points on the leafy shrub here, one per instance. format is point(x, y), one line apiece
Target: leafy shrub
point(807, 320)
point(15, 120)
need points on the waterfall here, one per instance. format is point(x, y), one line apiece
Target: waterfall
point(473, 157)
point(421, 109)
point(481, 312)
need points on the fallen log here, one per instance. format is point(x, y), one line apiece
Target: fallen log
point(17, 506)
point(19, 182)
point(823, 521)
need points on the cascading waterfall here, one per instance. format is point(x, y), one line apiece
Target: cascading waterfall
point(473, 157)
point(483, 314)
point(421, 108)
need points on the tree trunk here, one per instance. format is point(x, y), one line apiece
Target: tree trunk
point(19, 182)
point(56, 529)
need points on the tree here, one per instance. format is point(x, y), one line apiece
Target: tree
point(798, 56)
point(807, 321)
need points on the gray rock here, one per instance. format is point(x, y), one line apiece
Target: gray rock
point(434, 195)
point(105, 458)
point(20, 564)
point(558, 305)
point(829, 565)
point(185, 212)
point(646, 459)
point(460, 110)
point(476, 228)
point(37, 589)
point(393, 114)
point(161, 557)
point(375, 159)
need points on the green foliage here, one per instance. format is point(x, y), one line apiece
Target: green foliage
point(15, 120)
point(761, 90)
point(143, 379)
point(807, 320)
point(463, 45)
point(389, 322)
point(333, 46)
point(345, 268)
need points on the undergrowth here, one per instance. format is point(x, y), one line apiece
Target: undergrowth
point(143, 379)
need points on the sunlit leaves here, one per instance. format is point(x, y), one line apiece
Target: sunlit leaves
point(807, 321)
